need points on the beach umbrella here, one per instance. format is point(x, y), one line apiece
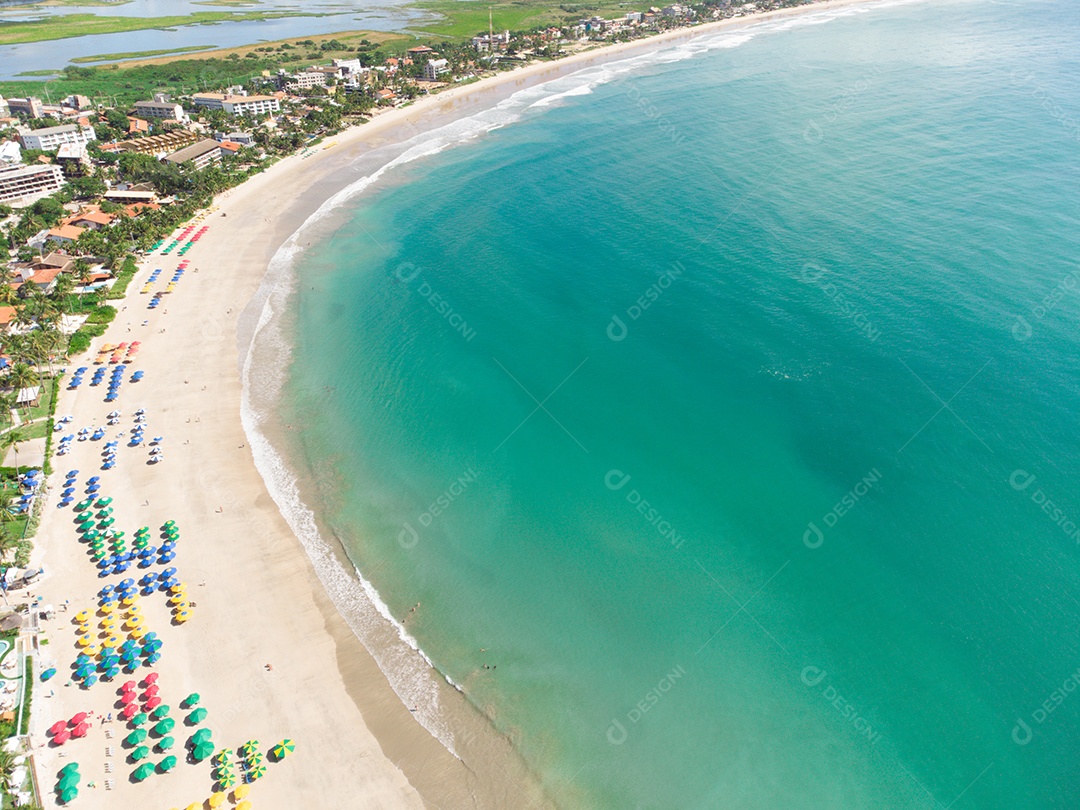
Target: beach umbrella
point(152, 703)
point(143, 771)
point(48, 673)
point(150, 691)
point(62, 737)
point(255, 758)
point(57, 727)
point(257, 772)
point(243, 805)
point(68, 795)
point(128, 712)
point(165, 726)
point(165, 743)
point(68, 780)
point(250, 747)
point(85, 671)
point(136, 737)
point(227, 780)
point(202, 735)
point(71, 767)
point(90, 681)
point(192, 699)
point(104, 501)
point(168, 763)
point(153, 676)
point(142, 752)
point(223, 755)
point(161, 712)
point(202, 750)
point(80, 730)
point(283, 749)
point(217, 799)
point(127, 698)
point(241, 791)
point(197, 716)
point(152, 659)
point(169, 523)
point(223, 769)
point(139, 718)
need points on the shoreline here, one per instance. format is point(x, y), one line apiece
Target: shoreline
point(358, 734)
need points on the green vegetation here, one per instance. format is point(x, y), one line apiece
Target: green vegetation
point(112, 57)
point(78, 25)
point(28, 685)
point(126, 84)
point(467, 18)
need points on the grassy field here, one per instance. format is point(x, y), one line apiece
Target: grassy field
point(77, 25)
point(466, 18)
point(131, 81)
point(112, 57)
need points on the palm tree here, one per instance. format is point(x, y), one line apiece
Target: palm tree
point(7, 768)
point(22, 376)
point(12, 439)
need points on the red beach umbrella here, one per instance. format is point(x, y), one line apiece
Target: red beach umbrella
point(151, 678)
point(127, 698)
point(150, 692)
point(127, 687)
point(62, 737)
point(80, 730)
point(130, 711)
point(78, 718)
point(152, 703)
point(57, 727)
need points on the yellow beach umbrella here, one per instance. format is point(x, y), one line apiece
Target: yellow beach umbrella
point(217, 799)
point(179, 587)
point(244, 805)
point(107, 608)
point(130, 600)
point(241, 791)
point(85, 641)
point(82, 615)
point(133, 622)
point(182, 616)
point(194, 806)
point(137, 632)
point(111, 641)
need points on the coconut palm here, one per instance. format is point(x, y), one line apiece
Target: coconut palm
point(12, 439)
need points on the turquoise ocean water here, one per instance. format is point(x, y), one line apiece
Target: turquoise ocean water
point(727, 400)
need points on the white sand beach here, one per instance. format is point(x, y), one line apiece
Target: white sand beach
point(258, 601)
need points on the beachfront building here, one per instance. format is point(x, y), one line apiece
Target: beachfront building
point(160, 107)
point(30, 107)
point(302, 80)
point(159, 145)
point(22, 185)
point(257, 106)
point(132, 196)
point(486, 43)
point(435, 68)
point(201, 154)
point(51, 138)
point(73, 158)
point(65, 234)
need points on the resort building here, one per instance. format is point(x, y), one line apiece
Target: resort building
point(73, 158)
point(51, 138)
point(65, 235)
point(132, 196)
point(435, 68)
point(303, 80)
point(486, 42)
point(159, 145)
point(242, 138)
point(30, 107)
point(238, 105)
point(160, 107)
point(10, 153)
point(24, 184)
point(201, 154)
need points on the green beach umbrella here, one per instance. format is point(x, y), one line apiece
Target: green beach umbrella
point(108, 521)
point(250, 747)
point(68, 780)
point(136, 737)
point(118, 535)
point(197, 716)
point(161, 712)
point(255, 758)
point(142, 752)
point(104, 501)
point(166, 743)
point(69, 794)
point(82, 506)
point(223, 769)
point(227, 781)
point(257, 772)
point(223, 755)
point(169, 524)
point(283, 749)
point(165, 726)
point(142, 531)
point(168, 763)
point(71, 767)
point(202, 735)
point(104, 513)
point(143, 771)
point(139, 719)
point(192, 699)
point(202, 750)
